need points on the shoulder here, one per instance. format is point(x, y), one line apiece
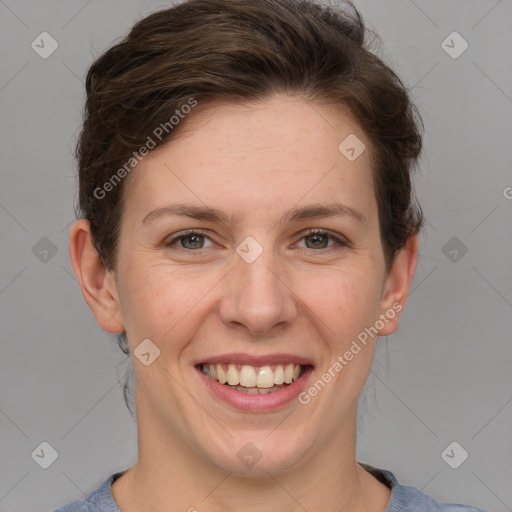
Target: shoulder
point(405, 498)
point(412, 499)
point(99, 500)
point(75, 506)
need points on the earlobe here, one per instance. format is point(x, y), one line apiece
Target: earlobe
point(397, 286)
point(96, 282)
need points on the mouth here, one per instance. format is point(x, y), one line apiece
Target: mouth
point(254, 380)
point(260, 387)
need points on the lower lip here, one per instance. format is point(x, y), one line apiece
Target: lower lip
point(256, 402)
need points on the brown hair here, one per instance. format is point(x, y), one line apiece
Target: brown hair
point(239, 50)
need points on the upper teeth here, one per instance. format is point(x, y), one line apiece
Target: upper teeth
point(251, 376)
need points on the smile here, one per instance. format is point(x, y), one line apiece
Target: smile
point(254, 379)
point(265, 385)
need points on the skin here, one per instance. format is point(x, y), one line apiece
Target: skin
point(257, 160)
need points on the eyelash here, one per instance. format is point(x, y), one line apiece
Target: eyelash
point(341, 242)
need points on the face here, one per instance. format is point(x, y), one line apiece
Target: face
point(260, 279)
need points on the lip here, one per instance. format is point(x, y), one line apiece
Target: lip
point(250, 360)
point(255, 403)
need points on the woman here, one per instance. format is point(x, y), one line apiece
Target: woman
point(248, 226)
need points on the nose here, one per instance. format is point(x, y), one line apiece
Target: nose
point(256, 298)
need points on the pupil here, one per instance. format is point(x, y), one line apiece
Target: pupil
point(317, 238)
point(195, 239)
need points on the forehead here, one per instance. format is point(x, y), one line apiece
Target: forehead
point(278, 151)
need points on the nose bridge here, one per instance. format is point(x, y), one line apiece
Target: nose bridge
point(257, 298)
point(259, 280)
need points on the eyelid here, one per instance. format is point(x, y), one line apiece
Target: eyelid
point(183, 234)
point(340, 240)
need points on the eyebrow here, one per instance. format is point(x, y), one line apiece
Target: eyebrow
point(297, 214)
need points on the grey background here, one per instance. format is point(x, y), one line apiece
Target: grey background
point(443, 377)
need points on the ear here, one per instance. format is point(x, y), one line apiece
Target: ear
point(96, 282)
point(397, 285)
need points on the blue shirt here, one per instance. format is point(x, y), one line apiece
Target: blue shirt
point(404, 498)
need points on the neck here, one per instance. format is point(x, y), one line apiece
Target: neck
point(170, 475)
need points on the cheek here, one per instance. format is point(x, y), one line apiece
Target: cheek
point(159, 302)
point(346, 299)
point(347, 305)
point(146, 301)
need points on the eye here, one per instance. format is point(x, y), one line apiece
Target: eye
point(320, 237)
point(191, 240)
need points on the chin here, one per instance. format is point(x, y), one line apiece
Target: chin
point(257, 455)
